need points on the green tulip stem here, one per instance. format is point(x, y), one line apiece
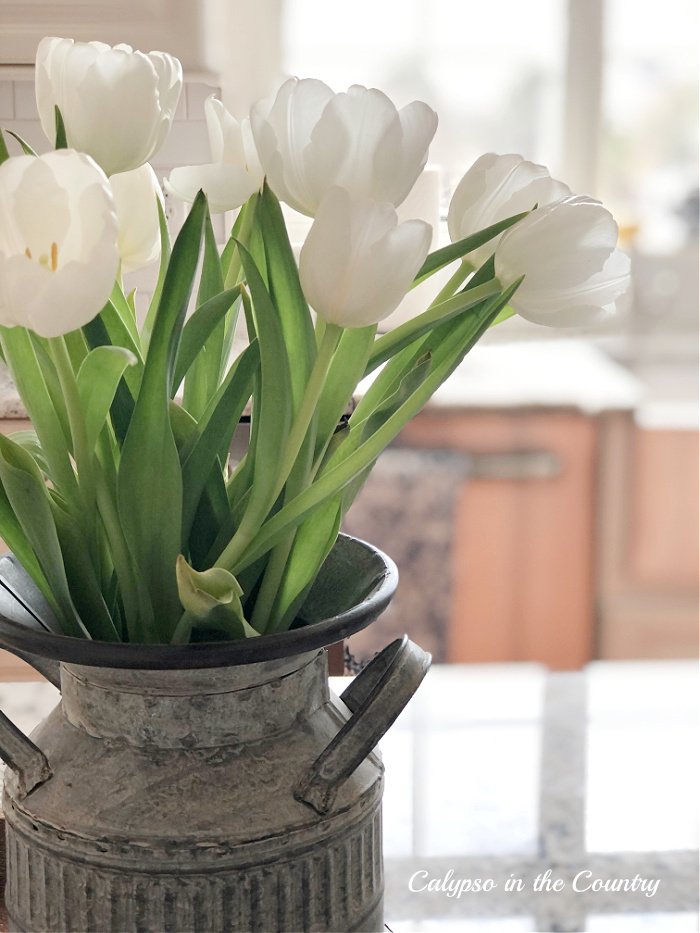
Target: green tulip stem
point(128, 583)
point(464, 269)
point(309, 402)
point(295, 439)
point(262, 619)
point(393, 341)
point(232, 275)
point(83, 456)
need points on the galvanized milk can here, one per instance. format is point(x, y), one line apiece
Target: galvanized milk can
point(241, 796)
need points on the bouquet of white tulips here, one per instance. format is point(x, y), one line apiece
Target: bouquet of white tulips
point(122, 503)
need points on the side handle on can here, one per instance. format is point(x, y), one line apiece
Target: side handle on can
point(375, 698)
point(21, 754)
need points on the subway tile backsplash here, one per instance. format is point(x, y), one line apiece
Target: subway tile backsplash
point(186, 144)
point(7, 105)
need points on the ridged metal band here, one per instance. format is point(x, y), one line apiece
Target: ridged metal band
point(60, 894)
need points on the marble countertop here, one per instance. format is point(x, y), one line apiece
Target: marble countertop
point(509, 770)
point(540, 374)
point(10, 404)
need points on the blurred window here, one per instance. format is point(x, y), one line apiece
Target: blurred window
point(604, 92)
point(649, 144)
point(493, 72)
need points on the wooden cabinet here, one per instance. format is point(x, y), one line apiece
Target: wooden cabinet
point(648, 557)
point(571, 537)
point(523, 553)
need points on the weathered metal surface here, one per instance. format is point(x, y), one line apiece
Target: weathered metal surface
point(172, 805)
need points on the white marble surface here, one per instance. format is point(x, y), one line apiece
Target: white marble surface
point(643, 757)
point(538, 373)
point(486, 773)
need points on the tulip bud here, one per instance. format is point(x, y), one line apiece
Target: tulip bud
point(494, 188)
point(235, 172)
point(574, 275)
point(358, 262)
point(136, 196)
point(58, 242)
point(117, 104)
point(310, 140)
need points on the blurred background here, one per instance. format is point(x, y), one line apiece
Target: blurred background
point(544, 507)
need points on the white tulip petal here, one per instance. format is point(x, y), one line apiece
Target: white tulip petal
point(226, 186)
point(117, 104)
point(494, 188)
point(216, 116)
point(388, 271)
point(345, 139)
point(565, 242)
point(357, 263)
point(60, 65)
point(310, 140)
point(71, 301)
point(37, 229)
point(233, 176)
point(136, 196)
point(58, 249)
point(324, 255)
point(566, 251)
point(283, 133)
point(398, 164)
point(119, 133)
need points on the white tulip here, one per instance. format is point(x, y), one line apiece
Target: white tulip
point(494, 188)
point(234, 173)
point(310, 140)
point(574, 275)
point(358, 262)
point(117, 104)
point(136, 196)
point(58, 241)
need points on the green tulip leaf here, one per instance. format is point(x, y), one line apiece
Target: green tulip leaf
point(203, 374)
point(29, 499)
point(165, 252)
point(149, 486)
point(61, 142)
point(18, 543)
point(127, 316)
point(215, 430)
point(213, 510)
point(84, 587)
point(272, 409)
point(403, 335)
point(24, 145)
point(286, 293)
point(449, 346)
point(211, 599)
point(447, 254)
point(199, 328)
point(53, 386)
point(29, 440)
point(348, 367)
point(98, 379)
point(409, 384)
point(97, 335)
point(312, 545)
point(42, 408)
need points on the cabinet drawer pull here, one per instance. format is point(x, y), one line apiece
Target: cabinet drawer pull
point(515, 465)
